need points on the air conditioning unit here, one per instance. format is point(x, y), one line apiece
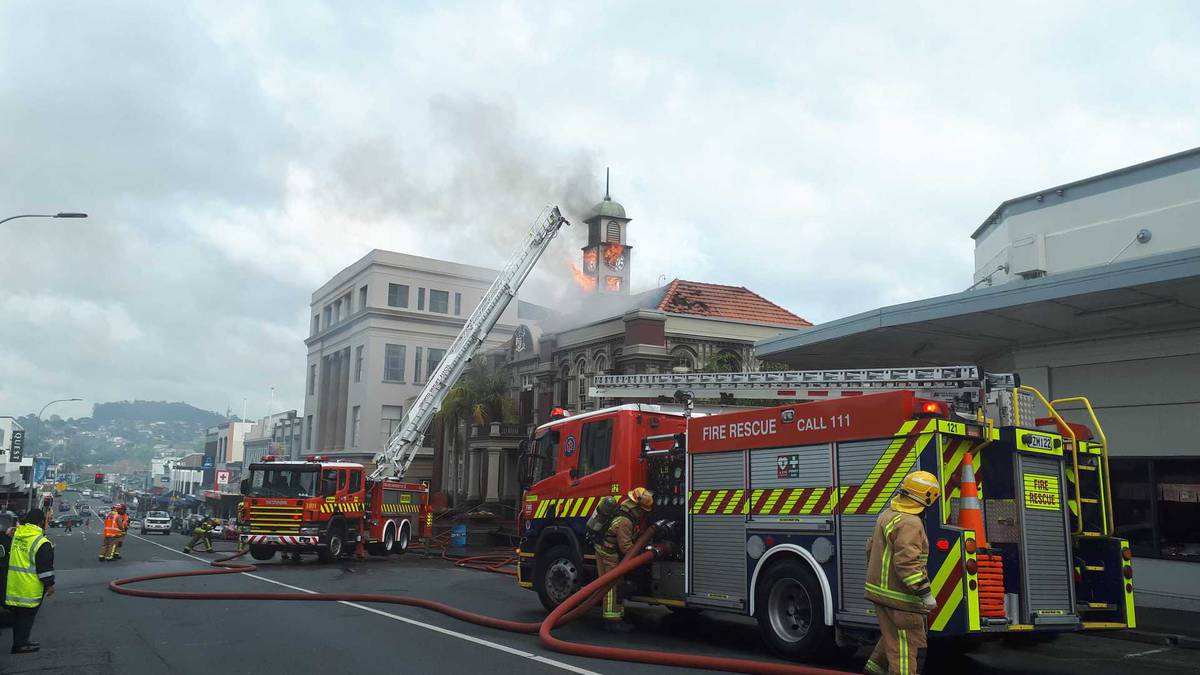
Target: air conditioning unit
point(1027, 257)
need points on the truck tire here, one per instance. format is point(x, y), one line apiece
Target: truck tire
point(790, 610)
point(333, 549)
point(402, 542)
point(557, 575)
point(262, 552)
point(389, 541)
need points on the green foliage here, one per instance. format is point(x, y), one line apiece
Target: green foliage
point(480, 396)
point(153, 411)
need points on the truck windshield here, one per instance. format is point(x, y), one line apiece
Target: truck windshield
point(280, 481)
point(545, 451)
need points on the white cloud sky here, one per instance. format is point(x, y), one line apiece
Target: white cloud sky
point(234, 156)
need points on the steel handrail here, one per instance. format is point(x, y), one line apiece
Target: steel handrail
point(1109, 520)
point(1062, 424)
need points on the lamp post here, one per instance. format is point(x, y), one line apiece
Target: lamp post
point(46, 215)
point(39, 416)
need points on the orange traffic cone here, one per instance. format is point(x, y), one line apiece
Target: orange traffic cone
point(970, 512)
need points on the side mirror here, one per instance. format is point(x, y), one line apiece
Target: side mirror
point(245, 485)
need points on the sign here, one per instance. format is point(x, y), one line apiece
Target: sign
point(40, 464)
point(1041, 492)
point(208, 462)
point(17, 450)
point(787, 466)
point(60, 487)
point(223, 477)
point(569, 448)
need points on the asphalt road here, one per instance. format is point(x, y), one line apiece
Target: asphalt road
point(86, 629)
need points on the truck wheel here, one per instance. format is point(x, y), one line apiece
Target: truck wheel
point(262, 552)
point(384, 547)
point(790, 611)
point(557, 576)
point(402, 543)
point(333, 550)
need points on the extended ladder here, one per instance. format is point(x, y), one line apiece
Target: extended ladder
point(963, 385)
point(402, 447)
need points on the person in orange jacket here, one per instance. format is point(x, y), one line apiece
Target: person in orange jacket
point(112, 530)
point(124, 524)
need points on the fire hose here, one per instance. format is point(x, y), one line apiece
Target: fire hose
point(572, 608)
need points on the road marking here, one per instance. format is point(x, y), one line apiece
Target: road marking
point(1148, 653)
point(437, 629)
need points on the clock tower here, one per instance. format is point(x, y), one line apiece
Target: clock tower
point(607, 254)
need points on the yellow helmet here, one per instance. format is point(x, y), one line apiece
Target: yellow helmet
point(642, 497)
point(921, 490)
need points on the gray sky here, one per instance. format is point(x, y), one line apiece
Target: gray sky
point(833, 158)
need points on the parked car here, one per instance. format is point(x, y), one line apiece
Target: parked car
point(63, 506)
point(62, 520)
point(106, 500)
point(158, 522)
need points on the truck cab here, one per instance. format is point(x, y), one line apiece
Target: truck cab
point(571, 464)
point(305, 505)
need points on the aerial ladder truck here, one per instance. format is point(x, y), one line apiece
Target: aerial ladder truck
point(325, 505)
point(769, 507)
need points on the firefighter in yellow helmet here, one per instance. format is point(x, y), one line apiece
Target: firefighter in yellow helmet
point(617, 540)
point(898, 577)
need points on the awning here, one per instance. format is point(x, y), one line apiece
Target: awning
point(1153, 293)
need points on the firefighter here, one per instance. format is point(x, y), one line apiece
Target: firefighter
point(203, 532)
point(241, 519)
point(123, 522)
point(898, 578)
point(112, 530)
point(618, 539)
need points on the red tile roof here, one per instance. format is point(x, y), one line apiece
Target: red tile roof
point(726, 302)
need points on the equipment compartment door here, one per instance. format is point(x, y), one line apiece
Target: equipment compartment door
point(717, 529)
point(1047, 577)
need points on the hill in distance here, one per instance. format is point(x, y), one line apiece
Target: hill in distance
point(153, 411)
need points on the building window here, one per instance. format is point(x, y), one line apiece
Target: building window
point(389, 423)
point(312, 379)
point(308, 433)
point(397, 295)
point(393, 363)
point(421, 299)
point(1156, 506)
point(683, 360)
point(356, 420)
point(595, 446)
point(581, 384)
point(564, 387)
point(362, 298)
point(316, 324)
point(439, 301)
point(358, 363)
point(435, 357)
point(614, 232)
point(458, 304)
point(417, 366)
point(328, 316)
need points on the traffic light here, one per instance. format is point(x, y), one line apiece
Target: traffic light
point(99, 478)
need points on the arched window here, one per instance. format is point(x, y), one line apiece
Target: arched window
point(564, 383)
point(601, 364)
point(581, 382)
point(683, 359)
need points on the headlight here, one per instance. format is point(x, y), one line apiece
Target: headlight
point(310, 530)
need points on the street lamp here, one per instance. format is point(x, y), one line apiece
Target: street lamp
point(64, 214)
point(39, 415)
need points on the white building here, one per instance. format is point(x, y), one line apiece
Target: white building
point(1092, 288)
point(379, 327)
point(11, 481)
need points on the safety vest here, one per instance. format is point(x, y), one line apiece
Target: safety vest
point(112, 524)
point(123, 521)
point(24, 587)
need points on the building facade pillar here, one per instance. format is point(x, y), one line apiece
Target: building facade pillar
point(492, 492)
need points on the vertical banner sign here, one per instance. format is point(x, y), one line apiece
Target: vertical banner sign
point(1041, 492)
point(40, 464)
point(17, 452)
point(208, 462)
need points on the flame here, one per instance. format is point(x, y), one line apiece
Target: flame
point(589, 260)
point(612, 254)
point(585, 282)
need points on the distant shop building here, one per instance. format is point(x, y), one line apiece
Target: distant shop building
point(1091, 288)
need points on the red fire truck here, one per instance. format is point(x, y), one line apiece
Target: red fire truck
point(326, 507)
point(770, 507)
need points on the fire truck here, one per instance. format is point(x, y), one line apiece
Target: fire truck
point(769, 508)
point(325, 505)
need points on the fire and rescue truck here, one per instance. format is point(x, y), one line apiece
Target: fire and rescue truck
point(323, 505)
point(770, 508)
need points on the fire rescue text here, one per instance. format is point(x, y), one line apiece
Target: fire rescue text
point(739, 430)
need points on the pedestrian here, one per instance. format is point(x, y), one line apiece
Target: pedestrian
point(112, 530)
point(202, 533)
point(898, 578)
point(617, 540)
point(123, 524)
point(67, 523)
point(30, 578)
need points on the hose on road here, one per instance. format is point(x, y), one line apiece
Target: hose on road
point(574, 607)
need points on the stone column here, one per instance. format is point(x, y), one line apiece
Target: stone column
point(492, 493)
point(474, 467)
point(343, 397)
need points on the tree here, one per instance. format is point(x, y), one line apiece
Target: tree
point(480, 396)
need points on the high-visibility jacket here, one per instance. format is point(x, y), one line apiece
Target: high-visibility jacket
point(618, 538)
point(123, 522)
point(897, 562)
point(112, 524)
point(25, 588)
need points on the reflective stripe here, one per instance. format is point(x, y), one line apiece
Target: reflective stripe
point(912, 579)
point(874, 668)
point(902, 637)
point(895, 595)
point(45, 575)
point(28, 570)
point(22, 602)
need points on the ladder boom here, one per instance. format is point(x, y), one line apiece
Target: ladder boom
point(402, 447)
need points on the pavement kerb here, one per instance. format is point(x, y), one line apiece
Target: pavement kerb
point(1153, 638)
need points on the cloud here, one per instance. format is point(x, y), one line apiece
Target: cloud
point(234, 157)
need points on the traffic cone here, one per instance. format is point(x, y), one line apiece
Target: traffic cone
point(970, 512)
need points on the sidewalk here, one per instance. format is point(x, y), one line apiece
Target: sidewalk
point(1171, 627)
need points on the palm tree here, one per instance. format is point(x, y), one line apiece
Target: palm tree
point(481, 396)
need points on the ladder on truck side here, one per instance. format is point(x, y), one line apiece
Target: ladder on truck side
point(965, 387)
point(402, 447)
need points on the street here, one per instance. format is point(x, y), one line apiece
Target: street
point(86, 629)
